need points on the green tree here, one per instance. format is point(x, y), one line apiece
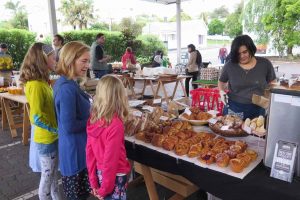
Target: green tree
point(77, 12)
point(233, 22)
point(284, 25)
point(221, 12)
point(20, 18)
point(253, 14)
point(99, 26)
point(131, 27)
point(184, 17)
point(215, 27)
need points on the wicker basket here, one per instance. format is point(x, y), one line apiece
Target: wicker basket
point(236, 133)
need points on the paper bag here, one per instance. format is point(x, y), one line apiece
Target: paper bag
point(260, 101)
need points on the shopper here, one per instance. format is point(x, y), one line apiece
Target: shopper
point(99, 58)
point(128, 59)
point(58, 42)
point(193, 65)
point(245, 74)
point(105, 150)
point(35, 75)
point(223, 54)
point(72, 109)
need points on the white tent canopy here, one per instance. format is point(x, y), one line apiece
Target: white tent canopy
point(52, 16)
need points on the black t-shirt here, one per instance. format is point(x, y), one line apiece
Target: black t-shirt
point(242, 84)
point(99, 52)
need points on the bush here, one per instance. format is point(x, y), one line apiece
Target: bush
point(18, 42)
point(116, 43)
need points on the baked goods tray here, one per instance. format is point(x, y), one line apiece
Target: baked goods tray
point(227, 133)
point(194, 122)
point(253, 143)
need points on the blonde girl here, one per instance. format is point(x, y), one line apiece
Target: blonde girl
point(105, 151)
point(72, 107)
point(37, 63)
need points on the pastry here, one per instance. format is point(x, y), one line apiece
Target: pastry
point(260, 121)
point(186, 126)
point(166, 130)
point(253, 125)
point(242, 144)
point(172, 131)
point(195, 110)
point(247, 122)
point(237, 165)
point(222, 159)
point(220, 148)
point(181, 135)
point(207, 157)
point(251, 153)
point(203, 116)
point(140, 136)
point(260, 129)
point(170, 142)
point(177, 125)
point(157, 140)
point(236, 148)
point(195, 150)
point(148, 136)
point(232, 154)
point(245, 157)
point(182, 148)
point(186, 116)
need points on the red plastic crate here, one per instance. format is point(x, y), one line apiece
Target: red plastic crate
point(207, 99)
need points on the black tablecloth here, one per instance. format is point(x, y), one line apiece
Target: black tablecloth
point(256, 185)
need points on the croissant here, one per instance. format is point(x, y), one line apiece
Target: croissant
point(245, 157)
point(169, 143)
point(158, 140)
point(237, 165)
point(177, 125)
point(251, 153)
point(195, 150)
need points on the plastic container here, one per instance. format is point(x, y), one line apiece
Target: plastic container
point(207, 99)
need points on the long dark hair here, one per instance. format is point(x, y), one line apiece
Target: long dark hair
point(242, 40)
point(199, 57)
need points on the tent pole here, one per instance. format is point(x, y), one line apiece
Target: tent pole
point(52, 17)
point(178, 21)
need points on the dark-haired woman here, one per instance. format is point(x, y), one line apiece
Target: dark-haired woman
point(244, 75)
point(193, 65)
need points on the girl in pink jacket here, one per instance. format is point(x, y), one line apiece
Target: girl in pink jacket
point(128, 59)
point(105, 151)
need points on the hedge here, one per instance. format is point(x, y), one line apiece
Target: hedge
point(18, 42)
point(144, 46)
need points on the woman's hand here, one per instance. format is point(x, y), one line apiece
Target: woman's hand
point(95, 193)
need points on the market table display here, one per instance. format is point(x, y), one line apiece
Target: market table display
point(8, 118)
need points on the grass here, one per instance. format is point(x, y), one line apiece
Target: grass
point(218, 42)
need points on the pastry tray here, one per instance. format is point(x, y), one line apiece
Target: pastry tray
point(228, 133)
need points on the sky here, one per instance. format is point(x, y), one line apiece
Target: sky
point(117, 9)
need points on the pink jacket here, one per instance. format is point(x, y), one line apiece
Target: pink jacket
point(105, 151)
point(128, 56)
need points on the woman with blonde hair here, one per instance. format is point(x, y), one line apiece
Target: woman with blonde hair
point(105, 150)
point(72, 110)
point(37, 63)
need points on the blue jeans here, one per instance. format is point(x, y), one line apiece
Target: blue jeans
point(243, 110)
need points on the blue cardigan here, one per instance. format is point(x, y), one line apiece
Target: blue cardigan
point(72, 107)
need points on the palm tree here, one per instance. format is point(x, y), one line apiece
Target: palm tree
point(20, 18)
point(77, 13)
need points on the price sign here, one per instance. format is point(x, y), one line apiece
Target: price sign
point(164, 118)
point(224, 128)
point(187, 111)
point(283, 166)
point(137, 113)
point(156, 101)
point(151, 109)
point(212, 121)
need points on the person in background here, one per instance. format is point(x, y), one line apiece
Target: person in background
point(98, 57)
point(244, 75)
point(223, 54)
point(72, 107)
point(58, 42)
point(128, 59)
point(157, 59)
point(3, 49)
point(44, 144)
point(105, 150)
point(193, 65)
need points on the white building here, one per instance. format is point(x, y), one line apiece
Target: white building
point(192, 32)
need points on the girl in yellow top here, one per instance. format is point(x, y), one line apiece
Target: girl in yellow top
point(37, 63)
